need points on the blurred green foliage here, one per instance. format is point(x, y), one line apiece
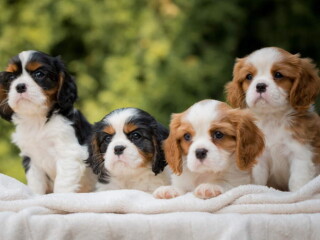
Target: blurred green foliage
point(158, 55)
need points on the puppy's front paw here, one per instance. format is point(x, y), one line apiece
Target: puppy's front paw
point(166, 192)
point(207, 190)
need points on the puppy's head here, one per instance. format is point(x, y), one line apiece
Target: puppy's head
point(271, 79)
point(209, 136)
point(125, 141)
point(37, 83)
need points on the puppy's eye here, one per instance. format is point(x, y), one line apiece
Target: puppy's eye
point(135, 136)
point(108, 138)
point(218, 135)
point(278, 75)
point(11, 77)
point(38, 75)
point(187, 137)
point(249, 77)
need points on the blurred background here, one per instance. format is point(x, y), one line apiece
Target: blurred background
point(158, 55)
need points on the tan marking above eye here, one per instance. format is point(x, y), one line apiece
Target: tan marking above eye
point(12, 67)
point(109, 130)
point(32, 66)
point(129, 127)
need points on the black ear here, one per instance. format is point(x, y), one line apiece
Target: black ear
point(160, 134)
point(95, 159)
point(67, 92)
point(5, 111)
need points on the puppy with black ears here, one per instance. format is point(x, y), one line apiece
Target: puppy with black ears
point(211, 149)
point(37, 94)
point(126, 151)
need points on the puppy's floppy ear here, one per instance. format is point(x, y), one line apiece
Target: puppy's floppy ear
point(172, 147)
point(160, 134)
point(95, 159)
point(235, 94)
point(250, 139)
point(306, 87)
point(5, 111)
point(67, 92)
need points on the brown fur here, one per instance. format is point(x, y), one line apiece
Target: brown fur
point(306, 129)
point(109, 130)
point(128, 128)
point(12, 68)
point(171, 146)
point(32, 66)
point(249, 138)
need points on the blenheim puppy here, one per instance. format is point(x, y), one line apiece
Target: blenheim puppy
point(126, 151)
point(37, 95)
point(279, 88)
point(211, 149)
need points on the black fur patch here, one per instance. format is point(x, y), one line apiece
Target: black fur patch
point(26, 163)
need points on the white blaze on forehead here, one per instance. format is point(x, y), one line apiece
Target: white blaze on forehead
point(25, 57)
point(263, 59)
point(201, 115)
point(119, 117)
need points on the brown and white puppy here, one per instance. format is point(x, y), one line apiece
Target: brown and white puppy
point(37, 94)
point(280, 88)
point(211, 148)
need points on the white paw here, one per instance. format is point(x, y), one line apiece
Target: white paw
point(207, 190)
point(166, 192)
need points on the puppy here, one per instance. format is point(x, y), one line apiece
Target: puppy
point(126, 151)
point(280, 88)
point(211, 149)
point(37, 95)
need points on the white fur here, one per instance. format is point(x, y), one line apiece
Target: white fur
point(54, 151)
point(57, 158)
point(217, 173)
point(285, 162)
point(126, 171)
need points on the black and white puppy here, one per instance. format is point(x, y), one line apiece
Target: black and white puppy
point(37, 95)
point(126, 151)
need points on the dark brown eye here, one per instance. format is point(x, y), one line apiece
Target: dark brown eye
point(135, 136)
point(249, 77)
point(217, 135)
point(38, 75)
point(187, 137)
point(278, 75)
point(108, 138)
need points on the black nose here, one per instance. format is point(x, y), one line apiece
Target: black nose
point(118, 150)
point(201, 153)
point(21, 88)
point(261, 87)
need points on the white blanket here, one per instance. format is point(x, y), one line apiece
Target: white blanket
point(244, 212)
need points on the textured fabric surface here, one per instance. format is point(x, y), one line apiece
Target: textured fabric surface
point(255, 212)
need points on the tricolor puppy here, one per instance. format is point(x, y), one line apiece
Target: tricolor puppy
point(126, 151)
point(211, 149)
point(280, 88)
point(37, 95)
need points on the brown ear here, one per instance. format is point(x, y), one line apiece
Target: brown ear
point(5, 111)
point(306, 87)
point(172, 149)
point(235, 93)
point(250, 139)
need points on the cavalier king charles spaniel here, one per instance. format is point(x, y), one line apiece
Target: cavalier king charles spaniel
point(211, 149)
point(37, 94)
point(280, 88)
point(126, 151)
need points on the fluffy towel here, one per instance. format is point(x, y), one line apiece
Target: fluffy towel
point(39, 217)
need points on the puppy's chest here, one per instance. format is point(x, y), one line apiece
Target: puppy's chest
point(280, 143)
point(43, 141)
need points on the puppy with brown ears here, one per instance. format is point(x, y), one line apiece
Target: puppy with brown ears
point(211, 148)
point(279, 88)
